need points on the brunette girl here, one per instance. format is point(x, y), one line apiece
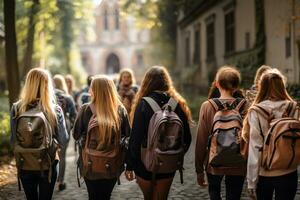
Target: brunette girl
point(113, 125)
point(38, 93)
point(227, 82)
point(157, 84)
point(273, 98)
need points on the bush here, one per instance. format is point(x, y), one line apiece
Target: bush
point(5, 147)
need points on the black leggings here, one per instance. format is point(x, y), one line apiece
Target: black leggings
point(285, 187)
point(233, 184)
point(100, 189)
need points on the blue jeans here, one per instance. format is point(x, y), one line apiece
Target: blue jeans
point(62, 164)
point(36, 184)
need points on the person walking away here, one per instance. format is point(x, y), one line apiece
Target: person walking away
point(274, 145)
point(157, 104)
point(103, 128)
point(127, 88)
point(219, 151)
point(68, 106)
point(83, 96)
point(37, 129)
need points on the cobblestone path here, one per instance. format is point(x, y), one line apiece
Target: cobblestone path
point(127, 190)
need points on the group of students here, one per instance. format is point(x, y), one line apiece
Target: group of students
point(145, 131)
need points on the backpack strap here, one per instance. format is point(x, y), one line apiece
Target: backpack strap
point(173, 103)
point(240, 104)
point(152, 103)
point(260, 110)
point(92, 107)
point(216, 103)
point(291, 109)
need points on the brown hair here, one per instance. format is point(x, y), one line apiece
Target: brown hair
point(60, 83)
point(127, 71)
point(259, 73)
point(158, 78)
point(228, 78)
point(272, 87)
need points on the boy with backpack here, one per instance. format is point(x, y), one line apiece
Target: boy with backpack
point(219, 147)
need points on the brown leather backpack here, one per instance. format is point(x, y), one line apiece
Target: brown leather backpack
point(101, 163)
point(225, 142)
point(281, 149)
point(165, 146)
point(35, 147)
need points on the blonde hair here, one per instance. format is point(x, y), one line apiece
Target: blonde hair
point(158, 78)
point(259, 72)
point(38, 86)
point(272, 86)
point(127, 71)
point(60, 83)
point(106, 101)
point(70, 83)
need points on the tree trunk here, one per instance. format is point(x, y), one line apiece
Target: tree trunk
point(27, 60)
point(12, 72)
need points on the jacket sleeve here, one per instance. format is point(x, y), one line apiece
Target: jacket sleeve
point(137, 135)
point(202, 137)
point(186, 129)
point(125, 128)
point(62, 134)
point(80, 127)
point(255, 144)
point(71, 109)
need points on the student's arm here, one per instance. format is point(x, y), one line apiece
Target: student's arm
point(186, 129)
point(80, 127)
point(255, 144)
point(138, 133)
point(71, 109)
point(62, 134)
point(125, 126)
point(203, 133)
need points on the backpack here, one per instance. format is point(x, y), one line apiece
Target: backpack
point(34, 147)
point(105, 163)
point(63, 103)
point(165, 145)
point(281, 149)
point(225, 141)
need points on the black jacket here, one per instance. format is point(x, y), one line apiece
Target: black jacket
point(142, 116)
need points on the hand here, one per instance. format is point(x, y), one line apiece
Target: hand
point(252, 194)
point(201, 180)
point(129, 175)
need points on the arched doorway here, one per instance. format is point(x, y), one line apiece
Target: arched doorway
point(112, 64)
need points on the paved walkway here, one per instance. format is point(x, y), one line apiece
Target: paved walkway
point(127, 190)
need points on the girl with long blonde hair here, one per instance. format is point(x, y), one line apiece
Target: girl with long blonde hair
point(273, 100)
point(157, 85)
point(113, 124)
point(38, 92)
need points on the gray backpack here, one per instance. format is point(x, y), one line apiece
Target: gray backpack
point(165, 145)
point(34, 148)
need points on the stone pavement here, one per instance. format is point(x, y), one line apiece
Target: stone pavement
point(127, 190)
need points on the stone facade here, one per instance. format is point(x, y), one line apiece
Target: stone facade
point(219, 32)
point(118, 43)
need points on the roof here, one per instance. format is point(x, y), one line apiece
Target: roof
point(198, 10)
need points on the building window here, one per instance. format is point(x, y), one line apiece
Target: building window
point(247, 40)
point(210, 40)
point(288, 44)
point(229, 32)
point(117, 20)
point(187, 50)
point(197, 47)
point(105, 20)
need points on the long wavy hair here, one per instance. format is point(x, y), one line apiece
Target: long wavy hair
point(39, 87)
point(272, 87)
point(60, 83)
point(157, 78)
point(70, 83)
point(106, 101)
